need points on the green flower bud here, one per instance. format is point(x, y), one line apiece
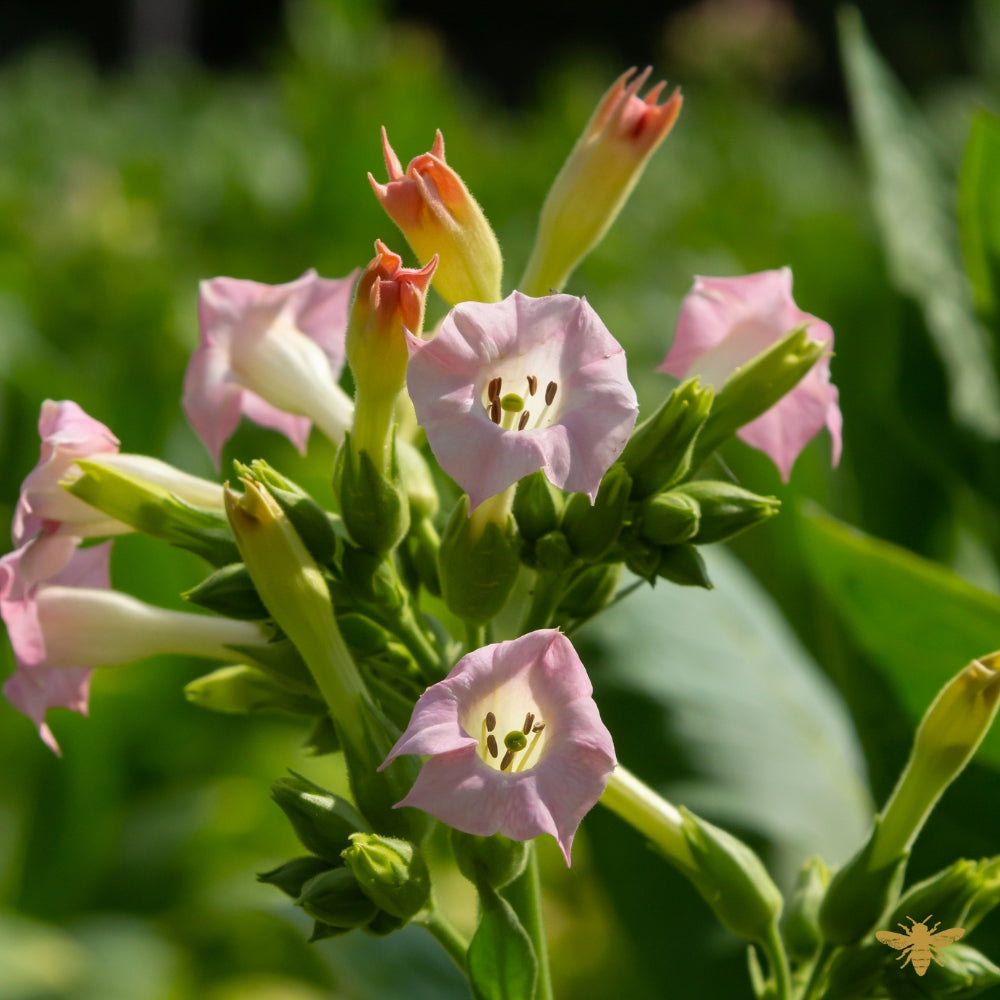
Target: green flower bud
point(684, 565)
point(312, 523)
point(952, 893)
point(537, 506)
point(322, 821)
point(495, 860)
point(592, 529)
point(801, 927)
point(228, 591)
point(243, 690)
point(732, 880)
point(857, 972)
point(383, 923)
point(477, 574)
point(336, 898)
point(669, 518)
point(860, 894)
point(154, 510)
point(755, 387)
point(392, 872)
point(374, 506)
point(590, 590)
point(552, 553)
point(659, 453)
point(293, 875)
point(282, 661)
point(726, 510)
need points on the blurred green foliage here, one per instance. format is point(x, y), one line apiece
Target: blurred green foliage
point(126, 869)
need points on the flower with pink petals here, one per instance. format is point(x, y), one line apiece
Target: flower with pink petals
point(432, 206)
point(511, 387)
point(272, 353)
point(66, 622)
point(515, 741)
point(52, 519)
point(724, 323)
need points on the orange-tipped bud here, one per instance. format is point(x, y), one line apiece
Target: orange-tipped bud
point(433, 207)
point(597, 178)
point(389, 299)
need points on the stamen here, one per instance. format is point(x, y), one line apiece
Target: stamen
point(538, 727)
point(495, 414)
point(523, 422)
point(507, 758)
point(529, 720)
point(493, 391)
point(532, 384)
point(491, 745)
point(491, 721)
point(550, 393)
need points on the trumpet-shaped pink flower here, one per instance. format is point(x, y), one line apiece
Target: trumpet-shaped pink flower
point(272, 353)
point(67, 621)
point(54, 520)
point(510, 387)
point(34, 688)
point(724, 323)
point(515, 741)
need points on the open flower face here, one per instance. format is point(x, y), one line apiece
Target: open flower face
point(723, 323)
point(34, 688)
point(516, 743)
point(510, 387)
point(272, 353)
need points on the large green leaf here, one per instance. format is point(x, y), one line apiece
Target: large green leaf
point(979, 212)
point(913, 198)
point(918, 621)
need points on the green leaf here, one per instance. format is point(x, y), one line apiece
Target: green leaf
point(979, 212)
point(913, 197)
point(918, 621)
point(502, 963)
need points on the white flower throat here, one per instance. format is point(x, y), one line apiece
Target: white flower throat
point(514, 411)
point(515, 749)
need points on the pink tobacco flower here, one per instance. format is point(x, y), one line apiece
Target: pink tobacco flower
point(515, 741)
point(34, 688)
point(510, 387)
point(724, 323)
point(598, 176)
point(437, 214)
point(272, 353)
point(63, 624)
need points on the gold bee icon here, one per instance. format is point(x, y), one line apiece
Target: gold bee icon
point(920, 943)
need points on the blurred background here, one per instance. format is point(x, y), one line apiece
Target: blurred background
point(145, 145)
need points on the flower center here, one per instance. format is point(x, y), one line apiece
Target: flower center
point(514, 411)
point(521, 747)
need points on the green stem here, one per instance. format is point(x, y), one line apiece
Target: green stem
point(545, 597)
point(820, 965)
point(447, 936)
point(475, 636)
point(778, 959)
point(525, 896)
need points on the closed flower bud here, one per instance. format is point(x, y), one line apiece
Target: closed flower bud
point(963, 972)
point(228, 591)
point(726, 509)
point(683, 564)
point(336, 898)
point(243, 690)
point(669, 518)
point(590, 590)
point(660, 451)
point(477, 574)
point(801, 926)
point(392, 872)
point(536, 507)
point(322, 821)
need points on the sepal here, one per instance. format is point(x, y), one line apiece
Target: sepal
point(322, 820)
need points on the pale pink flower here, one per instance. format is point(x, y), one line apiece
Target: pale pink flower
point(515, 742)
point(67, 621)
point(272, 353)
point(724, 323)
point(510, 387)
